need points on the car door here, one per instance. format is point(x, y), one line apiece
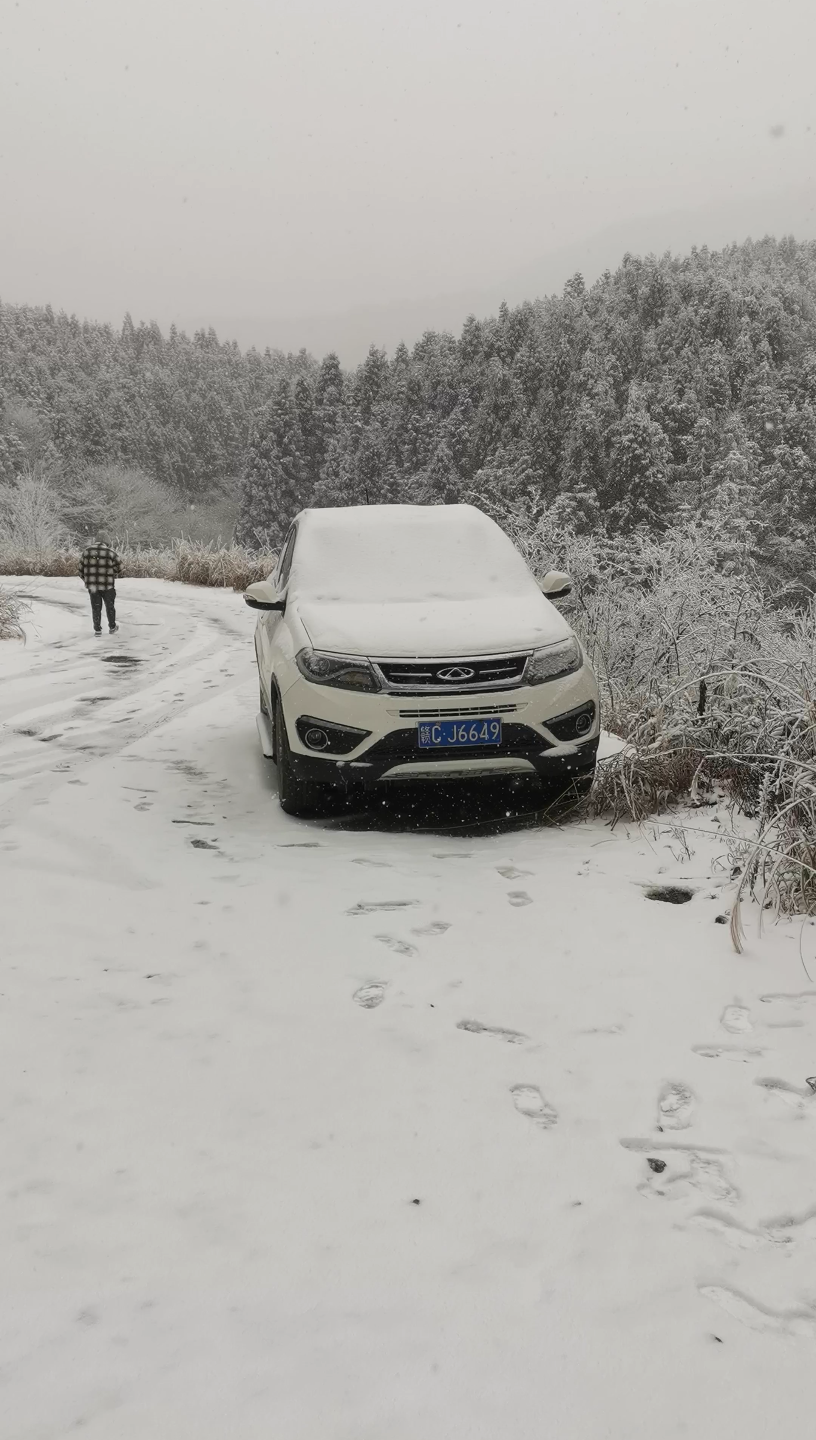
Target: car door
point(270, 622)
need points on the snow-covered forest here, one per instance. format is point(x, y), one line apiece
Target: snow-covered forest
point(673, 387)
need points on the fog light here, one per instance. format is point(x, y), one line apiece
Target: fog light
point(327, 736)
point(574, 724)
point(316, 739)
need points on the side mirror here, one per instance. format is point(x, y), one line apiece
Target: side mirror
point(556, 584)
point(263, 596)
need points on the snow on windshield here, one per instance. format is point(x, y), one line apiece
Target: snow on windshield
point(393, 553)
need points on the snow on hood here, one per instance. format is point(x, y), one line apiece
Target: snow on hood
point(429, 580)
point(433, 629)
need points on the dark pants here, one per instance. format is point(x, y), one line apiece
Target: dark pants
point(109, 597)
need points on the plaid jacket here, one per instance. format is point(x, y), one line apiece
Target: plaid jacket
point(99, 567)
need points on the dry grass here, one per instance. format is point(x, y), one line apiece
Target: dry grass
point(11, 609)
point(186, 561)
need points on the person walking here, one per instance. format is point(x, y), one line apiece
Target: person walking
point(99, 566)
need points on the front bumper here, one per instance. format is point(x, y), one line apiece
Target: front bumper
point(386, 762)
point(390, 750)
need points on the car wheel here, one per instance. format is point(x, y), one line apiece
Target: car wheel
point(296, 796)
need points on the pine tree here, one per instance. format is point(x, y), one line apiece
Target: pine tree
point(639, 468)
point(308, 419)
point(440, 483)
point(737, 523)
point(276, 481)
point(12, 459)
point(577, 510)
point(371, 382)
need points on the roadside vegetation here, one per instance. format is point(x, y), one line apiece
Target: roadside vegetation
point(708, 672)
point(188, 561)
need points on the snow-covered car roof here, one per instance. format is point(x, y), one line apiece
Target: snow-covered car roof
point(393, 553)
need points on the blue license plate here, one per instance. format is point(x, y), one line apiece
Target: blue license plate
point(446, 734)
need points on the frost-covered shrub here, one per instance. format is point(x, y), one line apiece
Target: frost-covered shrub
point(30, 514)
point(121, 500)
point(708, 675)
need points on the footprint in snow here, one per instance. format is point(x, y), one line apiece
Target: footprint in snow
point(703, 1173)
point(369, 907)
point(509, 872)
point(736, 1020)
point(796, 1097)
point(475, 1027)
point(379, 864)
point(436, 927)
point(708, 1175)
point(739, 1053)
point(203, 845)
point(797, 999)
point(674, 1107)
point(739, 1237)
point(529, 1101)
point(761, 1317)
point(519, 897)
point(400, 947)
point(370, 996)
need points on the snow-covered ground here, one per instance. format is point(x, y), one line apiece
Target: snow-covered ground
point(356, 1130)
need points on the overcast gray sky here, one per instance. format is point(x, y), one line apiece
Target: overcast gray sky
point(288, 168)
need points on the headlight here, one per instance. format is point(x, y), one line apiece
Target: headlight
point(555, 660)
point(344, 672)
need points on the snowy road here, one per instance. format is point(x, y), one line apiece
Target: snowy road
point(343, 1131)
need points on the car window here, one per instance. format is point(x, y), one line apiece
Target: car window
point(286, 559)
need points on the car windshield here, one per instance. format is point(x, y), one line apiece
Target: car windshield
point(404, 553)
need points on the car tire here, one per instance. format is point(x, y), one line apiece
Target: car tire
point(298, 797)
point(269, 712)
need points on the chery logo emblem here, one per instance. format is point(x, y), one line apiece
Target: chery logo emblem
point(456, 672)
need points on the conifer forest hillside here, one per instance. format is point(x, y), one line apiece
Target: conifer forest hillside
point(672, 387)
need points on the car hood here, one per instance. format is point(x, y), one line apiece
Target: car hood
point(432, 629)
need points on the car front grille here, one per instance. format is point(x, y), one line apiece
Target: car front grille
point(458, 712)
point(452, 677)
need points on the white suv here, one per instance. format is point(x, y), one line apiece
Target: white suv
point(412, 642)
